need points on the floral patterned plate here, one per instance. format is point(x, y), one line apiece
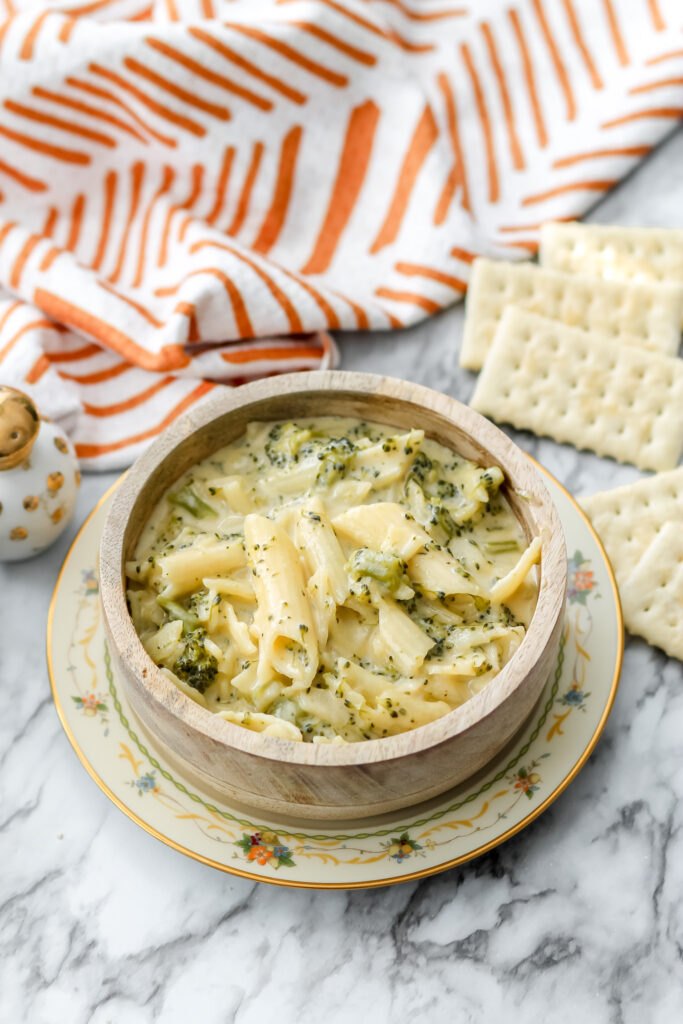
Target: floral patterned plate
point(513, 790)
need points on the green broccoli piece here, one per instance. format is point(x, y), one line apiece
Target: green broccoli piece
point(429, 474)
point(383, 567)
point(186, 498)
point(441, 517)
point(334, 460)
point(284, 441)
point(500, 547)
point(196, 666)
point(465, 500)
point(285, 709)
point(176, 611)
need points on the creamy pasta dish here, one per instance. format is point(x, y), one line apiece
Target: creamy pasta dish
point(331, 580)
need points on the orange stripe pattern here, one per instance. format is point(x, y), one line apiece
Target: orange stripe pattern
point(193, 193)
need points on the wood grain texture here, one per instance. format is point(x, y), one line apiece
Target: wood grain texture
point(360, 779)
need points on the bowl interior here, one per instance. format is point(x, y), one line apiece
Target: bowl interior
point(386, 409)
point(379, 399)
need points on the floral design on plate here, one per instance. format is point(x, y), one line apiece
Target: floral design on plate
point(89, 582)
point(575, 697)
point(146, 783)
point(418, 841)
point(264, 848)
point(401, 847)
point(527, 779)
point(581, 579)
point(90, 705)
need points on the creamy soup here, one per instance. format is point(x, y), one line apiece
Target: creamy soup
point(332, 580)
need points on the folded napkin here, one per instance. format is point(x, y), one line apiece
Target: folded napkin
point(197, 191)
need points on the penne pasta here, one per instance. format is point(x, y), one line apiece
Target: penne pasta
point(283, 622)
point(401, 642)
point(239, 588)
point(320, 549)
point(436, 571)
point(234, 490)
point(182, 571)
point(382, 526)
point(506, 587)
point(332, 581)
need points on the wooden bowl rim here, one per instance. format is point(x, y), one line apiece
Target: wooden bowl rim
point(371, 388)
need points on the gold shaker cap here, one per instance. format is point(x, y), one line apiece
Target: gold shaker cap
point(19, 426)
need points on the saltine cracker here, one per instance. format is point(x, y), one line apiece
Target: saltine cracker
point(652, 596)
point(646, 315)
point(627, 519)
point(613, 253)
point(616, 400)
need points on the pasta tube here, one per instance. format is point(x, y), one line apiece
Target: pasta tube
point(283, 622)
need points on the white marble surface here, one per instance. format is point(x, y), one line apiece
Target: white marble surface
point(578, 918)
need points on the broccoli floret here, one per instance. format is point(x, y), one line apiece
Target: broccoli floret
point(464, 499)
point(284, 441)
point(176, 611)
point(285, 709)
point(383, 567)
point(186, 498)
point(196, 666)
point(288, 443)
point(334, 460)
point(441, 517)
point(500, 547)
point(429, 474)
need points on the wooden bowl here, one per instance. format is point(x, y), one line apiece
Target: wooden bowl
point(306, 780)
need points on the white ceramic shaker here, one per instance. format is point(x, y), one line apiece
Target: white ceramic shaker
point(39, 478)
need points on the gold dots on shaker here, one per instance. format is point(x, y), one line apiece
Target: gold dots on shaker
point(61, 445)
point(77, 477)
point(57, 514)
point(30, 502)
point(18, 533)
point(55, 481)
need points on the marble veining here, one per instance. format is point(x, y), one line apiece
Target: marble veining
point(578, 918)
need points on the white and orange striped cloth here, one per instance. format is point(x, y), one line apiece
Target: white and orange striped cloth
point(196, 191)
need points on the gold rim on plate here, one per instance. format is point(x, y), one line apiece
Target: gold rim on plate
point(374, 883)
